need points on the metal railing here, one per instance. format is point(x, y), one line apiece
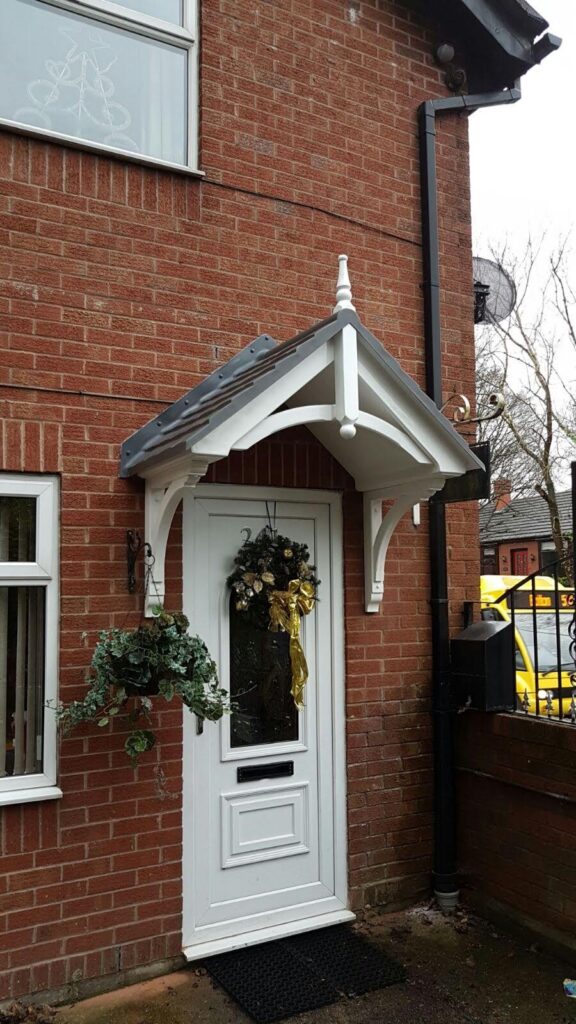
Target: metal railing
point(543, 617)
point(543, 620)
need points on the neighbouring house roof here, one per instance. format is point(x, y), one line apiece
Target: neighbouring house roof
point(498, 39)
point(523, 519)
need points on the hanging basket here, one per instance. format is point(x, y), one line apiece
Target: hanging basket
point(129, 666)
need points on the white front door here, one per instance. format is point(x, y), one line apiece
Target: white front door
point(264, 789)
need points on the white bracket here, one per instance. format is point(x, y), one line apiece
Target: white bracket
point(160, 503)
point(378, 530)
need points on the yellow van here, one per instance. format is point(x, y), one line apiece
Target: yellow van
point(550, 610)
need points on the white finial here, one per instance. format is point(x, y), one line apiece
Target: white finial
point(343, 287)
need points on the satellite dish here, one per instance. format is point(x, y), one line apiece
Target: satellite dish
point(494, 292)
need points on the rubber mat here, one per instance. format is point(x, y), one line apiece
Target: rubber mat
point(347, 960)
point(269, 982)
point(277, 980)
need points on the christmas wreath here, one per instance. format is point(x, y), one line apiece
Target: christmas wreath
point(274, 585)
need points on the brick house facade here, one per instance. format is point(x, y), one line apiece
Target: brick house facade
point(122, 286)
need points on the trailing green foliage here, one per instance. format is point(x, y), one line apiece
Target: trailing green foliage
point(128, 666)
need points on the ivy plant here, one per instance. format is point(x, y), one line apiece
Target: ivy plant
point(131, 665)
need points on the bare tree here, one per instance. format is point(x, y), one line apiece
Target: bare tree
point(531, 358)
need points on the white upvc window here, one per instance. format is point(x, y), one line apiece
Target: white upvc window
point(118, 77)
point(28, 637)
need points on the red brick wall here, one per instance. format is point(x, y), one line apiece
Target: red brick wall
point(517, 810)
point(121, 287)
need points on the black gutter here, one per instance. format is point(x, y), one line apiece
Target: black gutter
point(444, 873)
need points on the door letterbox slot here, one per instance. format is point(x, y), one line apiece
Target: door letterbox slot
point(252, 772)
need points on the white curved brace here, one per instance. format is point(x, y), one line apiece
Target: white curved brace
point(378, 530)
point(398, 437)
point(307, 414)
point(160, 504)
point(302, 414)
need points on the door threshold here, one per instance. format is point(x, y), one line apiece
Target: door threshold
point(278, 931)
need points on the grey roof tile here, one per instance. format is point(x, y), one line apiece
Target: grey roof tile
point(523, 518)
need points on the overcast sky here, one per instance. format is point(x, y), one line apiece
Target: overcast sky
point(523, 163)
point(524, 156)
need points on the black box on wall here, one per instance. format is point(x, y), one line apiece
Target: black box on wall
point(483, 672)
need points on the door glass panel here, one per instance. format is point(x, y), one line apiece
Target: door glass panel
point(260, 682)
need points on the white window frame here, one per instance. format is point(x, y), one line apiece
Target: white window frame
point(185, 36)
point(42, 572)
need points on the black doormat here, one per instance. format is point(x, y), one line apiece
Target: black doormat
point(279, 979)
point(347, 960)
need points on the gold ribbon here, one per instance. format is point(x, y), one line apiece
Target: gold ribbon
point(286, 609)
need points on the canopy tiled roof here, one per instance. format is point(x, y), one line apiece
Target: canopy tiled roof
point(247, 375)
point(522, 519)
point(341, 383)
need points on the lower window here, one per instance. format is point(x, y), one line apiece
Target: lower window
point(28, 637)
point(22, 663)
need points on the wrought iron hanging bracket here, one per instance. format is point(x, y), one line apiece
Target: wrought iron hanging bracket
point(461, 413)
point(134, 545)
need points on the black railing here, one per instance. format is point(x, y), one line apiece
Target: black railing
point(542, 610)
point(543, 616)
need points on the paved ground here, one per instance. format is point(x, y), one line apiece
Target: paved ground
point(460, 971)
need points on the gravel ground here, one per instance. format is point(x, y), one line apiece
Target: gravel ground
point(461, 970)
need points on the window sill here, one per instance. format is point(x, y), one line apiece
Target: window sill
point(29, 795)
point(44, 135)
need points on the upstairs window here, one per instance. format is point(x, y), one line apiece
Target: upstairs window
point(118, 77)
point(28, 637)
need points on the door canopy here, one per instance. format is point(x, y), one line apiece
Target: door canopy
point(337, 380)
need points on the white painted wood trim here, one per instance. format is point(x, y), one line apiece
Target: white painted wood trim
point(294, 417)
point(222, 439)
point(279, 931)
point(378, 530)
point(160, 503)
point(378, 426)
point(343, 286)
point(346, 407)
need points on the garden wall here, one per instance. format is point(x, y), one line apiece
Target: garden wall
point(517, 811)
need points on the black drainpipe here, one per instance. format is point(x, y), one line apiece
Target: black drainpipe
point(444, 874)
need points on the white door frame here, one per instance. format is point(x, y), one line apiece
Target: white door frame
point(195, 950)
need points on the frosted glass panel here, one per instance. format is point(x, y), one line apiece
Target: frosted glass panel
point(168, 10)
point(82, 78)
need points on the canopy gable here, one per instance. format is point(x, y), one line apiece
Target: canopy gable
point(268, 387)
point(340, 382)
